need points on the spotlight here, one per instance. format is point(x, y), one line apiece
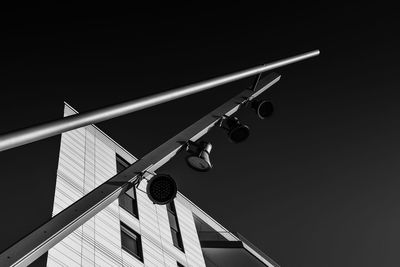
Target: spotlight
point(237, 131)
point(201, 161)
point(161, 189)
point(263, 108)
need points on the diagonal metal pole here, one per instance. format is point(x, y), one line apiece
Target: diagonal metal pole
point(42, 131)
point(46, 236)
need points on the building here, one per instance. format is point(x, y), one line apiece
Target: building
point(133, 231)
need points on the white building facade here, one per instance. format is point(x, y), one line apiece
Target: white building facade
point(133, 231)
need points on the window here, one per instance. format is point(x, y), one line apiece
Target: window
point(177, 239)
point(174, 225)
point(127, 201)
point(121, 164)
point(131, 241)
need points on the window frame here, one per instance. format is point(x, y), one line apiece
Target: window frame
point(136, 237)
point(120, 161)
point(171, 210)
point(135, 211)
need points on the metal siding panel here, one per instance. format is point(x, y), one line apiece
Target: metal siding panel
point(153, 249)
point(130, 260)
point(54, 262)
point(129, 220)
point(189, 235)
point(170, 261)
point(107, 234)
point(64, 255)
point(68, 190)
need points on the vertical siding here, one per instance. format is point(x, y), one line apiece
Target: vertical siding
point(190, 238)
point(87, 159)
point(69, 188)
point(88, 229)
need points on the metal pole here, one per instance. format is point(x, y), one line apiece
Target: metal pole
point(45, 130)
point(46, 236)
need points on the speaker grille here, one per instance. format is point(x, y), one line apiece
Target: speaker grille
point(162, 189)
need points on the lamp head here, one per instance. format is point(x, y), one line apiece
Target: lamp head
point(237, 131)
point(201, 161)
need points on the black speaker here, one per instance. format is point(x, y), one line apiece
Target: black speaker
point(161, 189)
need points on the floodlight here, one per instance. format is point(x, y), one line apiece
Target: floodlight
point(237, 131)
point(200, 161)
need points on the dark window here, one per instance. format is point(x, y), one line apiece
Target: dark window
point(128, 200)
point(179, 264)
point(131, 241)
point(121, 164)
point(171, 207)
point(177, 239)
point(174, 225)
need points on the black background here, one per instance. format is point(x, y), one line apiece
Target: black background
point(315, 185)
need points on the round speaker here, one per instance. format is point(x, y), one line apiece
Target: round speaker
point(161, 189)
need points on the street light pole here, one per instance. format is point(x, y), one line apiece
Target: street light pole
point(49, 234)
point(45, 130)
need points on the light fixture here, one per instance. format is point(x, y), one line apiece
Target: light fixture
point(263, 108)
point(237, 131)
point(161, 189)
point(200, 159)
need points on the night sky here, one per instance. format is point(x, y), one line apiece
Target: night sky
point(317, 184)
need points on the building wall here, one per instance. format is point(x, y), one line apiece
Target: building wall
point(87, 159)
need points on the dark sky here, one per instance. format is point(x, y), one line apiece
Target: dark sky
point(317, 184)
